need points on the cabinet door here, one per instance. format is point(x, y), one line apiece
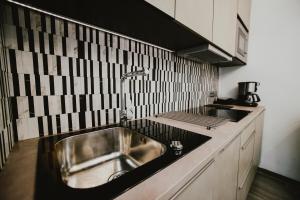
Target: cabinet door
point(224, 24)
point(167, 6)
point(201, 186)
point(227, 171)
point(258, 139)
point(244, 9)
point(196, 15)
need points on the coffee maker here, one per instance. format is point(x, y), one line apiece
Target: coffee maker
point(247, 94)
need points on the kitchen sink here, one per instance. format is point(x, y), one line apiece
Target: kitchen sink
point(93, 159)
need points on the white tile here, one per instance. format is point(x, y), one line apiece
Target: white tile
point(94, 51)
point(45, 85)
point(54, 105)
point(25, 40)
point(68, 103)
point(45, 126)
point(54, 125)
point(46, 43)
point(10, 35)
point(106, 101)
point(58, 85)
point(80, 32)
point(64, 123)
point(36, 38)
point(75, 121)
point(48, 24)
point(87, 34)
point(59, 27)
point(105, 85)
point(72, 47)
point(57, 40)
point(72, 30)
point(101, 38)
point(38, 106)
point(52, 65)
point(19, 62)
point(96, 85)
point(88, 119)
point(35, 20)
point(27, 128)
point(96, 101)
point(65, 66)
point(79, 85)
point(95, 69)
point(103, 117)
point(104, 70)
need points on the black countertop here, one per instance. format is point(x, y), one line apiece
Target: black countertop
point(49, 184)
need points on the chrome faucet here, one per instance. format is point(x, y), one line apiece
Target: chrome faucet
point(123, 111)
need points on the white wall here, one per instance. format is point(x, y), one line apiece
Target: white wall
point(274, 61)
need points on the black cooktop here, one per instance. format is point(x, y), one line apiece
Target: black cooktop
point(222, 111)
point(48, 179)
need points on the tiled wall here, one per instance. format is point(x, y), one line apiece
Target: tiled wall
point(6, 128)
point(66, 76)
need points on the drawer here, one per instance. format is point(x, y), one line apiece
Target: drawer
point(246, 158)
point(244, 188)
point(247, 133)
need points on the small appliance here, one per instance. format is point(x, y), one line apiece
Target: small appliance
point(247, 94)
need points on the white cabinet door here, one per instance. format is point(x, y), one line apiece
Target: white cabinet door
point(227, 164)
point(244, 9)
point(196, 15)
point(167, 6)
point(201, 186)
point(224, 24)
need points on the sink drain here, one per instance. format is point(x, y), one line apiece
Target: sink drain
point(116, 175)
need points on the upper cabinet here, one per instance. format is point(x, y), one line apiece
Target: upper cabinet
point(224, 24)
point(167, 6)
point(244, 9)
point(196, 15)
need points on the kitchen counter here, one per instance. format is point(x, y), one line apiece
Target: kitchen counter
point(17, 179)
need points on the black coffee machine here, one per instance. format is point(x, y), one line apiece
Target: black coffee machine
point(247, 94)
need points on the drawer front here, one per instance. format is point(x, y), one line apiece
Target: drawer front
point(201, 186)
point(246, 158)
point(247, 133)
point(244, 188)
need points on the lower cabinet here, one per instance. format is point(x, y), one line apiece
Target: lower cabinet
point(227, 171)
point(201, 186)
point(230, 174)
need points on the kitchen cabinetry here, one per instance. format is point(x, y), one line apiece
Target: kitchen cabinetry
point(167, 6)
point(224, 24)
point(244, 9)
point(230, 174)
point(196, 15)
point(227, 171)
point(201, 186)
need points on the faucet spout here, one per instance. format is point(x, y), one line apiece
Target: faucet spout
point(123, 110)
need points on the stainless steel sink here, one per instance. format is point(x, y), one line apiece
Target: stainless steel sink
point(95, 158)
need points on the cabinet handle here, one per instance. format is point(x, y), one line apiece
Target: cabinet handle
point(248, 141)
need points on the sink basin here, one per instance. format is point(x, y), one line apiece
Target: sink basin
point(93, 159)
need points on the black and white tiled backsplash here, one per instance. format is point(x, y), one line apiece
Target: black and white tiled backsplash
point(65, 76)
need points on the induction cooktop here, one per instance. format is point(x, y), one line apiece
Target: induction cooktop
point(220, 111)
